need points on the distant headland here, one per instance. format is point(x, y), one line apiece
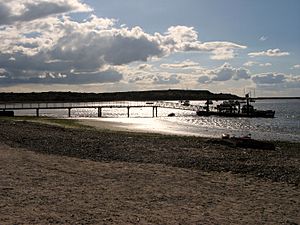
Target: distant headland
point(154, 95)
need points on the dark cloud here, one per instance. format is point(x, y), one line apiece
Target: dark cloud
point(241, 73)
point(129, 49)
point(227, 72)
point(5, 13)
point(271, 81)
point(32, 10)
point(43, 9)
point(269, 78)
point(204, 80)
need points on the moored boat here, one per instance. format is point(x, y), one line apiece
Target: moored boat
point(233, 109)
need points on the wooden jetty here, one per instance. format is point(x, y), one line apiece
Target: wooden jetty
point(5, 107)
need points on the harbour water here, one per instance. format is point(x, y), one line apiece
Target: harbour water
point(285, 126)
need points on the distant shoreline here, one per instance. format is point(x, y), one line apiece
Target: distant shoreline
point(154, 95)
point(270, 98)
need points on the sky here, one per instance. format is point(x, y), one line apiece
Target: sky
point(232, 46)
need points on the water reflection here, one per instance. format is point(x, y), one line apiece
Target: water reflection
point(285, 125)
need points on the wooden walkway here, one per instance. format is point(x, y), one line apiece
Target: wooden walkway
point(97, 105)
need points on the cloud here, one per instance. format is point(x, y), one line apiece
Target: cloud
point(38, 37)
point(204, 80)
point(250, 63)
point(263, 38)
point(271, 53)
point(58, 78)
point(296, 66)
point(227, 72)
point(145, 67)
point(187, 64)
point(293, 82)
point(265, 64)
point(276, 80)
point(224, 73)
point(253, 63)
point(172, 79)
point(19, 11)
point(162, 78)
point(184, 39)
point(220, 50)
point(269, 78)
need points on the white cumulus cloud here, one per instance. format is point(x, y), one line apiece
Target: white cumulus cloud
point(186, 64)
point(263, 38)
point(297, 66)
point(271, 53)
point(38, 37)
point(253, 63)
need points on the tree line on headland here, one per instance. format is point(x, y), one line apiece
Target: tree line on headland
point(154, 95)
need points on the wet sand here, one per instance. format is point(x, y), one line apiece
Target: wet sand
point(56, 175)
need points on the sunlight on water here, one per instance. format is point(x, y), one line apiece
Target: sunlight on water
point(285, 125)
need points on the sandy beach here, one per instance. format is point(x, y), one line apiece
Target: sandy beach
point(57, 175)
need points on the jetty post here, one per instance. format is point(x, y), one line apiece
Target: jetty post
point(69, 112)
point(128, 108)
point(99, 111)
point(248, 104)
point(37, 112)
point(207, 105)
point(153, 111)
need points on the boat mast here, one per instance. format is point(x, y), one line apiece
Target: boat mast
point(247, 99)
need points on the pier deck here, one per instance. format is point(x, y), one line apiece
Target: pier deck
point(95, 105)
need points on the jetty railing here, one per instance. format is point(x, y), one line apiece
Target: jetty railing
point(97, 105)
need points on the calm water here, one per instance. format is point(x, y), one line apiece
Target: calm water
point(285, 125)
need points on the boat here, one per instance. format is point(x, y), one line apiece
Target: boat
point(171, 114)
point(233, 108)
point(246, 142)
point(186, 103)
point(249, 110)
point(225, 136)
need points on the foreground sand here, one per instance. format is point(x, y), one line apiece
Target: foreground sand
point(107, 188)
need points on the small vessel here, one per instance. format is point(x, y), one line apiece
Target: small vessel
point(225, 136)
point(233, 108)
point(186, 103)
point(171, 114)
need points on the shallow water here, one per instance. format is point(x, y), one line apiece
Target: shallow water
point(285, 125)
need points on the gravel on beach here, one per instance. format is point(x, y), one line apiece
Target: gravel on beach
point(55, 175)
point(206, 154)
